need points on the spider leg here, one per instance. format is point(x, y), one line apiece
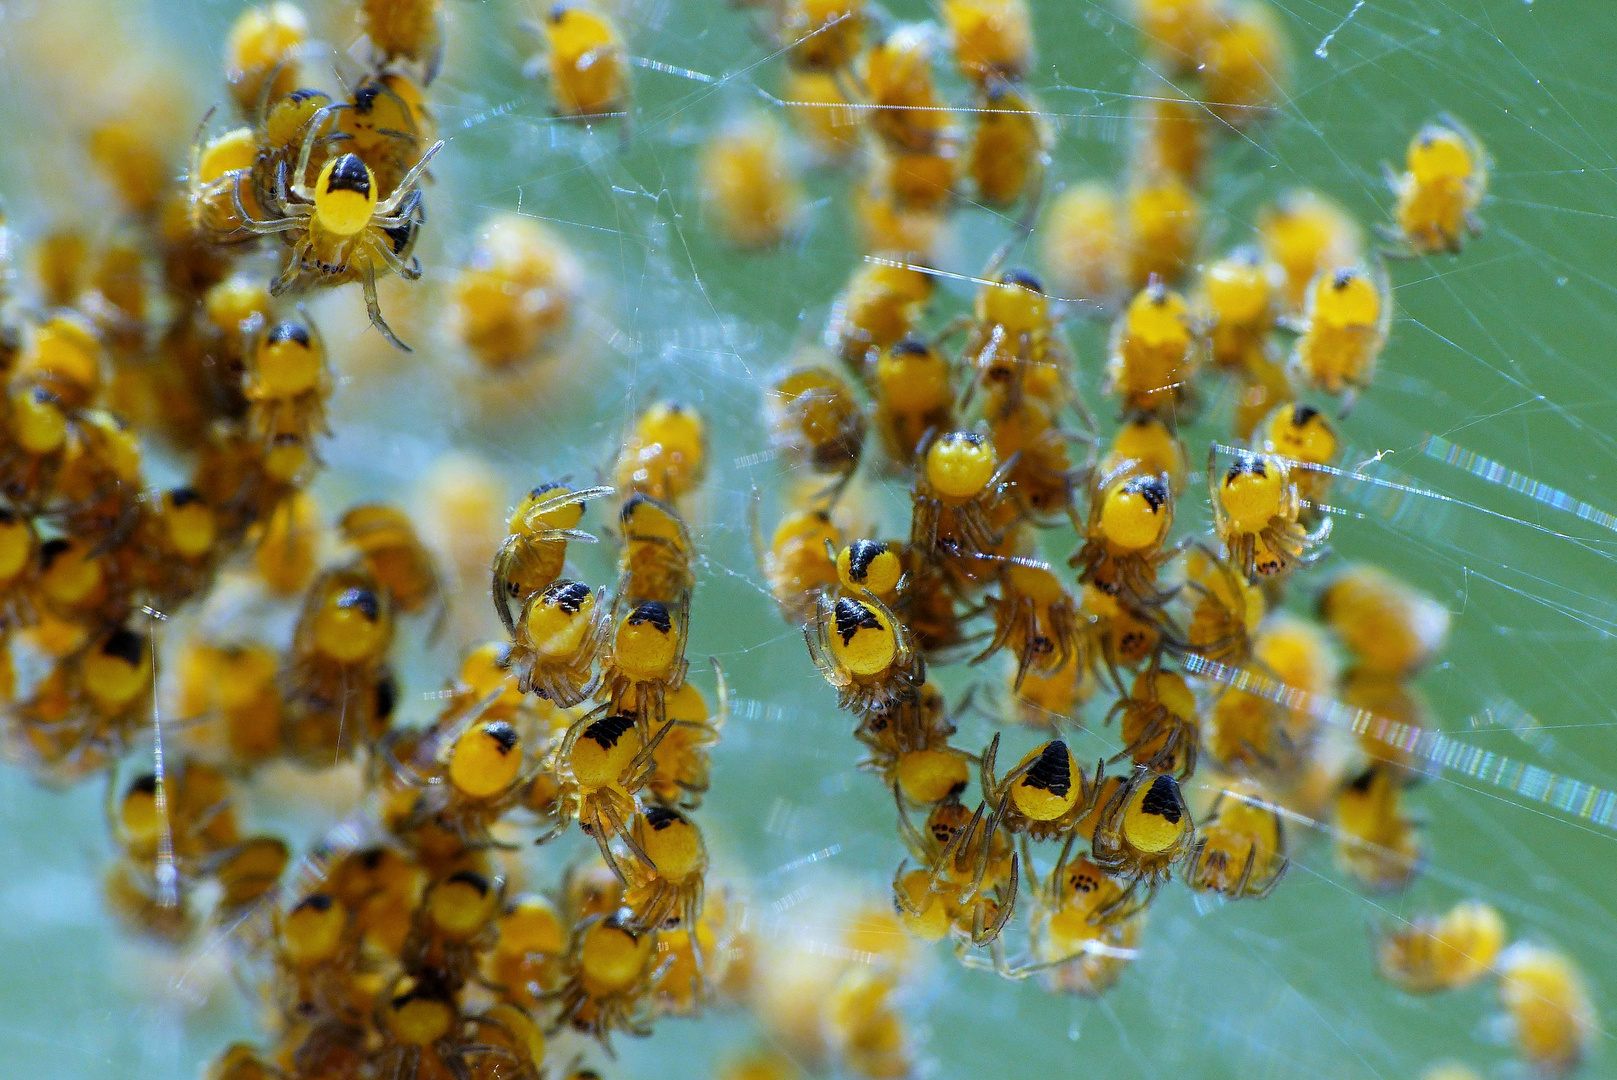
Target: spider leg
point(647, 753)
point(1007, 908)
point(409, 272)
point(501, 569)
point(901, 897)
point(402, 216)
point(408, 183)
point(1269, 886)
point(1246, 873)
point(1002, 634)
point(912, 837)
point(261, 227)
point(298, 186)
point(949, 856)
point(374, 307)
point(293, 271)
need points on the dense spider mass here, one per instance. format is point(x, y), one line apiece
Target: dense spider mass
point(513, 879)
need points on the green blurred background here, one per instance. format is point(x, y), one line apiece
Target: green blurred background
point(1509, 351)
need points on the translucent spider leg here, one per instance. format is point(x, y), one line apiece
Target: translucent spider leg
point(373, 307)
point(407, 184)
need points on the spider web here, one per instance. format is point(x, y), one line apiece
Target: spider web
point(1479, 469)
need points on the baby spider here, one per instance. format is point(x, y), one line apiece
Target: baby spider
point(1390, 627)
point(340, 227)
point(664, 455)
point(502, 1041)
point(314, 956)
point(959, 485)
point(1078, 889)
point(863, 650)
point(219, 167)
point(1243, 64)
point(338, 690)
point(1150, 442)
point(404, 33)
point(1250, 732)
point(1044, 796)
point(1237, 303)
point(646, 660)
point(1169, 136)
point(913, 391)
point(1082, 917)
point(814, 418)
point(967, 879)
point(909, 748)
point(1010, 147)
point(1224, 609)
point(878, 308)
point(585, 60)
point(1162, 223)
point(1036, 618)
point(908, 112)
point(1130, 514)
point(485, 771)
point(1014, 343)
point(1125, 635)
point(419, 1021)
point(393, 552)
point(667, 890)
point(1240, 847)
point(453, 924)
point(1144, 830)
point(1301, 434)
point(1443, 952)
point(1551, 1018)
point(1154, 353)
point(458, 778)
point(1255, 514)
point(558, 640)
point(799, 559)
point(532, 555)
point(1043, 478)
point(1046, 701)
point(1161, 725)
point(819, 35)
point(599, 768)
point(655, 563)
point(683, 766)
point(937, 626)
point(1303, 232)
point(531, 936)
point(1444, 180)
point(1085, 247)
point(870, 567)
point(992, 39)
point(751, 188)
point(1343, 330)
point(287, 376)
point(610, 972)
point(1377, 842)
point(692, 964)
point(1077, 946)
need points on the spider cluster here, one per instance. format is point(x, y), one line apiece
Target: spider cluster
point(1046, 534)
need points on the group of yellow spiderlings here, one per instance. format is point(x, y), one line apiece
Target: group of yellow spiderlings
point(393, 948)
point(337, 181)
point(402, 947)
point(406, 944)
point(846, 90)
point(981, 418)
point(100, 366)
